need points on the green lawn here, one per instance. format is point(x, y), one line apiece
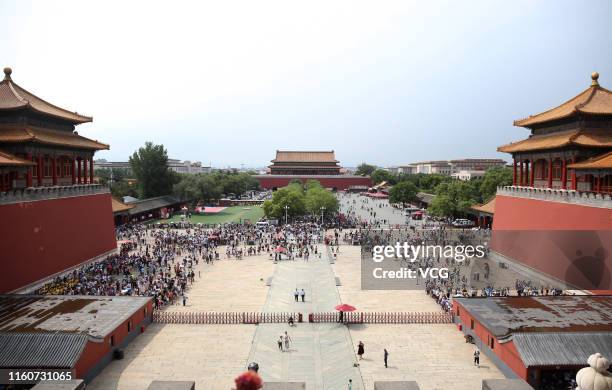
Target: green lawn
point(230, 214)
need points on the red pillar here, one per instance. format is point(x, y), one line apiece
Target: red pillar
point(564, 175)
point(39, 170)
point(598, 183)
point(72, 170)
point(521, 174)
point(79, 171)
point(85, 171)
point(550, 173)
point(91, 170)
point(531, 172)
point(54, 170)
point(574, 180)
point(514, 173)
point(29, 174)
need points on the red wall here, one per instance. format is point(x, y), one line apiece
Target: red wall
point(41, 238)
point(529, 214)
point(341, 183)
point(572, 243)
point(506, 352)
point(95, 351)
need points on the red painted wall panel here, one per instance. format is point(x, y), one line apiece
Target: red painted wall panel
point(572, 243)
point(41, 238)
point(341, 183)
point(529, 214)
point(95, 351)
point(506, 352)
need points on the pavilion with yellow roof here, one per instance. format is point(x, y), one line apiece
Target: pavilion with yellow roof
point(569, 146)
point(38, 142)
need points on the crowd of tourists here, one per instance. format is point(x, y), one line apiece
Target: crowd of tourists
point(160, 262)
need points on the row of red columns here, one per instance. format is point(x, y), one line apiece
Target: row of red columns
point(520, 178)
point(80, 174)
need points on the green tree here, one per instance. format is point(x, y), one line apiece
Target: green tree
point(403, 192)
point(150, 166)
point(380, 175)
point(364, 169)
point(318, 197)
point(286, 196)
point(494, 177)
point(122, 188)
point(454, 198)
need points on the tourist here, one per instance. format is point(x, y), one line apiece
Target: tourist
point(303, 295)
point(287, 340)
point(360, 350)
point(296, 294)
point(477, 357)
point(350, 384)
point(280, 343)
point(386, 356)
point(249, 380)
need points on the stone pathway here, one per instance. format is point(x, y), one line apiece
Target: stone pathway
point(321, 354)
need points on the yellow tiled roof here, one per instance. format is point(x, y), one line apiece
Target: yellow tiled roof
point(594, 100)
point(12, 97)
point(589, 137)
point(599, 162)
point(488, 207)
point(50, 137)
point(299, 156)
point(7, 159)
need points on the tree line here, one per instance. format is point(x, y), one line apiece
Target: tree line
point(150, 176)
point(297, 200)
point(453, 197)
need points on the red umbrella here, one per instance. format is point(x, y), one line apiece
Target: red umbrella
point(280, 249)
point(345, 307)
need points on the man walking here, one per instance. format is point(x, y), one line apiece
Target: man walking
point(280, 343)
point(386, 357)
point(296, 294)
point(303, 295)
point(477, 358)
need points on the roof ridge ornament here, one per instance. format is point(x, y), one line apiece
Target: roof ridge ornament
point(594, 78)
point(7, 73)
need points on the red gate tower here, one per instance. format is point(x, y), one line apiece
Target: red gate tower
point(53, 215)
point(556, 218)
point(309, 165)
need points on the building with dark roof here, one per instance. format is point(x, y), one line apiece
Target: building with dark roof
point(78, 333)
point(531, 337)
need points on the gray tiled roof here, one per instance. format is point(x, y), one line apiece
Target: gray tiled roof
point(561, 348)
point(40, 349)
point(142, 206)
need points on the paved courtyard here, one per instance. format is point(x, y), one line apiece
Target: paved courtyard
point(322, 355)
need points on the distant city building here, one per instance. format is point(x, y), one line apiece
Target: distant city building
point(469, 167)
point(173, 164)
point(467, 175)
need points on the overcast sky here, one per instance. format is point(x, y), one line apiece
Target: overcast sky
point(230, 82)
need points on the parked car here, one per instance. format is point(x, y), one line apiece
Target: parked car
point(463, 223)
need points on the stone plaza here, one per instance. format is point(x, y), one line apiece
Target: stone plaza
point(323, 355)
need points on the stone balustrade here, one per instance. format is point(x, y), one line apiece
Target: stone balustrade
point(33, 194)
point(558, 195)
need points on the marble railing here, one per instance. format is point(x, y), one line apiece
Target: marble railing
point(33, 194)
point(558, 195)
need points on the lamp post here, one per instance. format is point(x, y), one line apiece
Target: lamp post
point(286, 213)
point(322, 211)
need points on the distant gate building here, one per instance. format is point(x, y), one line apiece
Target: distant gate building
point(309, 165)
